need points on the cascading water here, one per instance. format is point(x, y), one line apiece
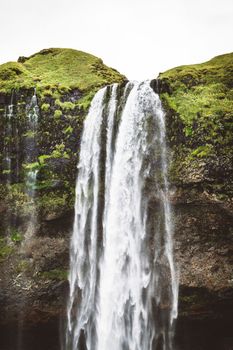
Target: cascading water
point(8, 137)
point(32, 114)
point(123, 280)
point(31, 153)
point(31, 160)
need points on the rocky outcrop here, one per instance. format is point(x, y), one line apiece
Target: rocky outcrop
point(199, 106)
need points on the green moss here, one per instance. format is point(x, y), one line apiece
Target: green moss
point(16, 236)
point(59, 152)
point(46, 93)
point(44, 184)
point(29, 134)
point(56, 274)
point(85, 101)
point(32, 166)
point(16, 199)
point(54, 202)
point(202, 94)
point(57, 114)
point(42, 158)
point(200, 100)
point(202, 151)
point(12, 75)
point(6, 172)
point(5, 249)
point(45, 107)
point(66, 106)
point(68, 130)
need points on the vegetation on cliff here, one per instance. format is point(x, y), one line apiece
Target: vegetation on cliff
point(199, 101)
point(65, 81)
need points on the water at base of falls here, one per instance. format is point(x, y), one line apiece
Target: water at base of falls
point(123, 280)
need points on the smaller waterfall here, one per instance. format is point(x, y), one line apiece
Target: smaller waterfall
point(9, 114)
point(31, 161)
point(123, 280)
point(8, 166)
point(31, 171)
point(33, 113)
point(31, 156)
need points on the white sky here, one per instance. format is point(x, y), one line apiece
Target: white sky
point(140, 38)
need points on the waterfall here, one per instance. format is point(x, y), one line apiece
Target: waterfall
point(31, 155)
point(31, 162)
point(9, 114)
point(123, 279)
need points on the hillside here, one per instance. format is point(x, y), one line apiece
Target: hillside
point(53, 68)
point(199, 102)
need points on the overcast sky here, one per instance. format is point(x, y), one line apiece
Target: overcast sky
point(140, 38)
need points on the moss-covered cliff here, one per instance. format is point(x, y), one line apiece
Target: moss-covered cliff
point(65, 81)
point(198, 100)
point(43, 102)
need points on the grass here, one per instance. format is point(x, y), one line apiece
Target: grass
point(61, 69)
point(202, 95)
point(219, 69)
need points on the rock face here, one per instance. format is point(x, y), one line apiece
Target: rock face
point(33, 272)
point(199, 104)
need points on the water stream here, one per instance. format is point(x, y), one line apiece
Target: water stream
point(123, 278)
point(9, 114)
point(31, 161)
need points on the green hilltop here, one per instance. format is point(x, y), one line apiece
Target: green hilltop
point(198, 100)
point(53, 68)
point(201, 91)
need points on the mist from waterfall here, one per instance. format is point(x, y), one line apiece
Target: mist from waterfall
point(123, 279)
